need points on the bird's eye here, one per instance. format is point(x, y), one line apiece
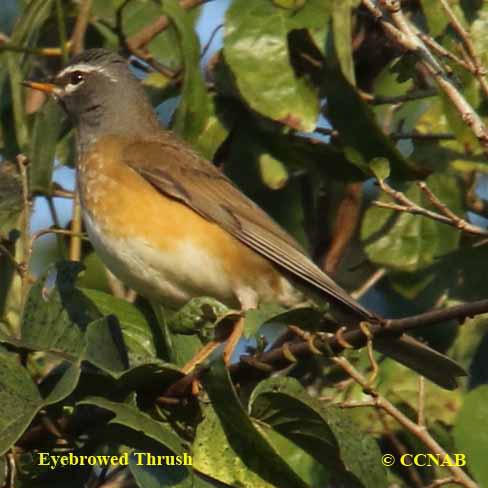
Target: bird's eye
point(76, 77)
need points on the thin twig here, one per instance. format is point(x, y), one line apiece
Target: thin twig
point(42, 51)
point(442, 482)
point(400, 448)
point(396, 99)
point(44, 232)
point(446, 216)
point(57, 223)
point(421, 402)
point(61, 30)
point(17, 266)
point(420, 136)
point(210, 40)
point(22, 163)
point(420, 432)
point(79, 31)
point(275, 359)
point(478, 69)
point(369, 283)
point(345, 225)
point(406, 36)
point(139, 40)
point(76, 230)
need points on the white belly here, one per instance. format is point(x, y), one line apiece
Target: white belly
point(171, 278)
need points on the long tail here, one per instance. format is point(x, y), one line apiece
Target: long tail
point(423, 359)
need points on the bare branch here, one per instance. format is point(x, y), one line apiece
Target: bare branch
point(346, 222)
point(79, 31)
point(76, 230)
point(419, 431)
point(476, 66)
point(445, 215)
point(406, 36)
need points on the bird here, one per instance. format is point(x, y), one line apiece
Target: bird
point(170, 225)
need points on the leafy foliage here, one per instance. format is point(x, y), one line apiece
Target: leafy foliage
point(304, 104)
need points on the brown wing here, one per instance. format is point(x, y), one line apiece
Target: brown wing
point(177, 171)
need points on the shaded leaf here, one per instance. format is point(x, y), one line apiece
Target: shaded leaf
point(342, 31)
point(243, 437)
point(407, 242)
point(257, 317)
point(327, 433)
point(20, 398)
point(471, 433)
point(26, 29)
point(256, 49)
point(200, 315)
point(138, 335)
point(10, 198)
point(193, 110)
point(42, 145)
point(437, 20)
point(380, 168)
point(161, 476)
point(361, 135)
point(131, 417)
point(214, 456)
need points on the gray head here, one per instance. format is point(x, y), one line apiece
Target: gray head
point(101, 96)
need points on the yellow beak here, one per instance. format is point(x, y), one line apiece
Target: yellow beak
point(44, 87)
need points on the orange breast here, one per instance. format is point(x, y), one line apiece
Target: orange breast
point(173, 244)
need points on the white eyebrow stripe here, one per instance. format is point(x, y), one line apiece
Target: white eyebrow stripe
point(86, 68)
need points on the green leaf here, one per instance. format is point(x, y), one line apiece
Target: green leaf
point(216, 127)
point(161, 476)
point(215, 457)
point(471, 433)
point(131, 417)
point(342, 31)
point(273, 173)
point(193, 110)
point(76, 322)
point(165, 46)
point(327, 433)
point(55, 317)
point(42, 146)
point(20, 399)
point(244, 439)
point(380, 168)
point(407, 242)
point(437, 20)
point(104, 346)
point(137, 332)
point(25, 32)
point(11, 198)
point(257, 317)
point(290, 4)
point(361, 135)
point(7, 272)
point(199, 315)
point(256, 50)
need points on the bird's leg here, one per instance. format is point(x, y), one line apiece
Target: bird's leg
point(248, 299)
point(233, 340)
point(201, 356)
point(211, 346)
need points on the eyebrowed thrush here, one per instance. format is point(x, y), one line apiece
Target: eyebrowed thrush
point(171, 226)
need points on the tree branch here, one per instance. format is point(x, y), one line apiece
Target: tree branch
point(419, 431)
point(444, 214)
point(408, 37)
point(330, 344)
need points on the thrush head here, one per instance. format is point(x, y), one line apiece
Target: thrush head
point(101, 96)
